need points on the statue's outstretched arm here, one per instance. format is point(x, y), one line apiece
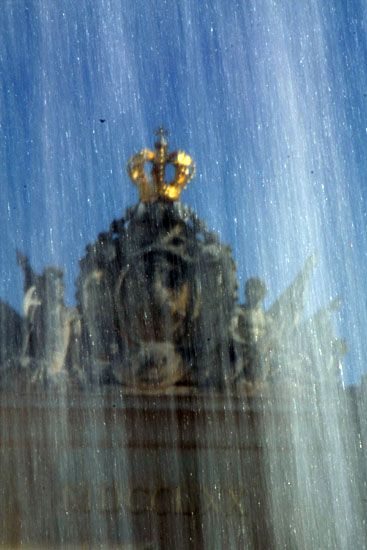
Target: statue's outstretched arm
point(30, 277)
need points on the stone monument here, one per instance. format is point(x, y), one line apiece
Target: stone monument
point(136, 417)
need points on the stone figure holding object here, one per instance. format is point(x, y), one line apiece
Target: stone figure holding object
point(48, 323)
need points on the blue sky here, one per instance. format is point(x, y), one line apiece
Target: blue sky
point(269, 97)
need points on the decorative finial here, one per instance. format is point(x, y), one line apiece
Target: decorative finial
point(154, 187)
point(162, 135)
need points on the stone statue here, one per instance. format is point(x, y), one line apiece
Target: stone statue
point(157, 306)
point(253, 335)
point(157, 293)
point(48, 323)
point(280, 344)
point(161, 285)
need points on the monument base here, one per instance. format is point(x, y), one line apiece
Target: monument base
point(110, 468)
point(169, 471)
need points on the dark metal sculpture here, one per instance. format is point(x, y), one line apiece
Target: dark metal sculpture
point(157, 295)
point(157, 306)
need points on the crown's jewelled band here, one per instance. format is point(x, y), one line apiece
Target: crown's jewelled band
point(154, 187)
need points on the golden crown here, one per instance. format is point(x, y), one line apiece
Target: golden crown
point(154, 187)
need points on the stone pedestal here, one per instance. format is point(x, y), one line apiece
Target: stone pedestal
point(155, 471)
point(109, 470)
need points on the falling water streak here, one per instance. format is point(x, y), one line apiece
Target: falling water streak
point(262, 119)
